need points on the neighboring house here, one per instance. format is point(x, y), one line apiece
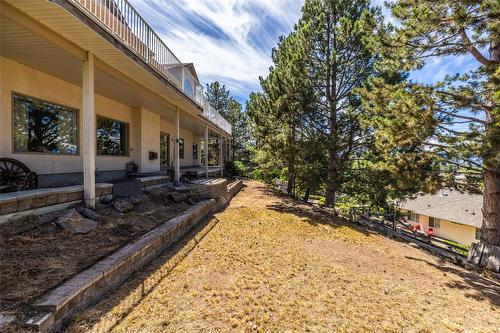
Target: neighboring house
point(453, 215)
point(87, 85)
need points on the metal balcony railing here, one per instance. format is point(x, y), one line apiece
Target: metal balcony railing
point(121, 19)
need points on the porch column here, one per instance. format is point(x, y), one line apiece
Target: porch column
point(177, 162)
point(88, 131)
point(206, 151)
point(221, 157)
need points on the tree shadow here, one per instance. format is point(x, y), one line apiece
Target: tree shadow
point(311, 214)
point(142, 283)
point(474, 285)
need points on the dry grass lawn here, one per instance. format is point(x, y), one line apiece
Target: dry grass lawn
point(271, 264)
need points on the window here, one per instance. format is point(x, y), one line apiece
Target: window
point(195, 151)
point(112, 137)
point(188, 87)
point(181, 148)
point(43, 127)
point(478, 233)
point(164, 149)
point(434, 223)
point(414, 217)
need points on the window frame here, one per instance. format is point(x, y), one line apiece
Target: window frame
point(13, 144)
point(478, 234)
point(127, 134)
point(434, 224)
point(417, 216)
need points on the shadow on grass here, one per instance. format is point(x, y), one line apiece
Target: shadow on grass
point(122, 301)
point(313, 215)
point(474, 285)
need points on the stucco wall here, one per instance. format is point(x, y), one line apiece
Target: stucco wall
point(189, 139)
point(146, 138)
point(144, 126)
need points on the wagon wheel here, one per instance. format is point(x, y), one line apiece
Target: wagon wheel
point(14, 174)
point(31, 181)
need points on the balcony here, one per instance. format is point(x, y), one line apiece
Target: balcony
point(120, 18)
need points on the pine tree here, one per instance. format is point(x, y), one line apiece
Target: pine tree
point(452, 127)
point(337, 35)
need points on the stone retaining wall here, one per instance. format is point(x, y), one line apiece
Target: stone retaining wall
point(87, 287)
point(17, 202)
point(33, 199)
point(210, 189)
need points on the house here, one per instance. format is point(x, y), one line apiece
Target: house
point(453, 215)
point(87, 86)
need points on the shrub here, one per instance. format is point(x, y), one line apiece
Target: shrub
point(235, 168)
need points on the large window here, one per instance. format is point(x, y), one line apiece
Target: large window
point(181, 148)
point(112, 137)
point(43, 127)
point(434, 222)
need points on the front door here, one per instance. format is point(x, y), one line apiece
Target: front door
point(164, 150)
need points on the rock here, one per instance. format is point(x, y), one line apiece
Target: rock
point(190, 201)
point(89, 213)
point(178, 197)
point(6, 318)
point(123, 206)
point(160, 195)
point(75, 223)
point(140, 199)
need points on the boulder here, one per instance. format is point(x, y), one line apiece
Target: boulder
point(73, 222)
point(160, 195)
point(123, 206)
point(178, 197)
point(89, 213)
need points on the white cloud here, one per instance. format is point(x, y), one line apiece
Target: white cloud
point(227, 40)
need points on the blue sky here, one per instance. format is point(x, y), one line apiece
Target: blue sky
point(231, 40)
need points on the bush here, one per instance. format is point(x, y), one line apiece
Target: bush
point(235, 168)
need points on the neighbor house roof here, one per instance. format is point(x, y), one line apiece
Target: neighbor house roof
point(451, 205)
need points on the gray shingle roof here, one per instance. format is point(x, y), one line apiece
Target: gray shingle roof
point(454, 206)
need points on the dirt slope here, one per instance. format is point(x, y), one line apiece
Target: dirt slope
point(270, 264)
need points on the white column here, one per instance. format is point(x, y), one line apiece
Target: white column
point(88, 131)
point(206, 151)
point(221, 157)
point(177, 162)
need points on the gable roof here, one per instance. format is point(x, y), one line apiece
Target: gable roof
point(450, 205)
point(189, 66)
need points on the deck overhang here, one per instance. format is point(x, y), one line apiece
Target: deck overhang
point(27, 36)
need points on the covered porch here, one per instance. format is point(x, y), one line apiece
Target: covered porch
point(117, 111)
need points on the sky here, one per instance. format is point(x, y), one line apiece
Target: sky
point(231, 40)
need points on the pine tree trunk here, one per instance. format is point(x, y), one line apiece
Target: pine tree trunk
point(330, 190)
point(331, 186)
point(490, 231)
point(291, 162)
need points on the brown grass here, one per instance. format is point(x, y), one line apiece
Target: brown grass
point(37, 260)
point(270, 264)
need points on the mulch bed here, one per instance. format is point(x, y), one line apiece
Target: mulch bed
point(36, 254)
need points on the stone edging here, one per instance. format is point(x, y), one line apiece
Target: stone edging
point(87, 287)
